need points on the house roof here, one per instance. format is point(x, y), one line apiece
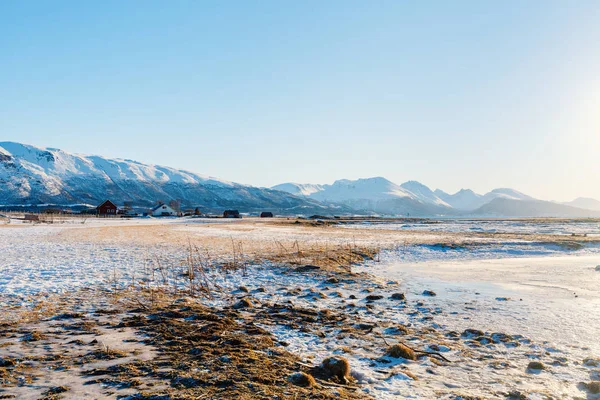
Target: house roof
point(159, 206)
point(109, 203)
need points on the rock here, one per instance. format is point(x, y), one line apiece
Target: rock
point(243, 303)
point(500, 337)
point(307, 268)
point(352, 297)
point(472, 332)
point(591, 362)
point(401, 351)
point(55, 390)
point(502, 298)
point(593, 387)
point(373, 297)
point(397, 330)
point(335, 367)
point(536, 366)
point(429, 293)
point(315, 295)
point(598, 268)
point(260, 290)
point(7, 362)
point(243, 289)
point(398, 296)
point(333, 280)
point(365, 327)
point(302, 379)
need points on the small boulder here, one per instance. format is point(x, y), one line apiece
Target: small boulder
point(598, 268)
point(365, 327)
point(7, 362)
point(302, 379)
point(536, 366)
point(593, 387)
point(398, 296)
point(243, 289)
point(335, 367)
point(243, 303)
point(333, 280)
point(373, 297)
point(472, 332)
point(429, 293)
point(401, 351)
point(591, 362)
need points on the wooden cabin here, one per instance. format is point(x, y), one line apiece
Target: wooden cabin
point(108, 208)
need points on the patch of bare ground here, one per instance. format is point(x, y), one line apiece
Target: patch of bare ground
point(152, 345)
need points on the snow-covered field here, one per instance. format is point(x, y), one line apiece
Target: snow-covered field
point(546, 297)
point(549, 227)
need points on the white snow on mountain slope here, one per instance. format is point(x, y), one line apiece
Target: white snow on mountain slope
point(506, 193)
point(464, 199)
point(371, 189)
point(299, 189)
point(468, 200)
point(31, 175)
point(423, 193)
point(584, 202)
point(48, 164)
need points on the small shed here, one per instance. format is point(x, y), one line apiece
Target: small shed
point(266, 214)
point(231, 214)
point(108, 208)
point(163, 210)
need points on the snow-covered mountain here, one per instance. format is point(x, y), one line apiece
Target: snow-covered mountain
point(376, 195)
point(34, 175)
point(385, 197)
point(507, 207)
point(464, 199)
point(298, 189)
point(423, 193)
point(468, 200)
point(585, 203)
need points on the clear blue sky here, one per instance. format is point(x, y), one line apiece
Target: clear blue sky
point(475, 94)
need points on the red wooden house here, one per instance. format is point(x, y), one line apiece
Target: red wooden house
point(108, 208)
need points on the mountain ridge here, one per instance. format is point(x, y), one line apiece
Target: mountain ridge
point(32, 175)
point(37, 175)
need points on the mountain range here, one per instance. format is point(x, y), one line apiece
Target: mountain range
point(31, 175)
point(382, 196)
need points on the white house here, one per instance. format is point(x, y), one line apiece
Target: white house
point(163, 210)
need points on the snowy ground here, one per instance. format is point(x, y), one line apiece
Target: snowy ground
point(545, 296)
point(551, 227)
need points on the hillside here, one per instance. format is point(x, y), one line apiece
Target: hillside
point(505, 207)
point(31, 175)
point(585, 202)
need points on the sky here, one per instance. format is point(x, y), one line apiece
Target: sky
point(462, 94)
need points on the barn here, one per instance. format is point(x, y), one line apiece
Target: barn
point(231, 214)
point(108, 208)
